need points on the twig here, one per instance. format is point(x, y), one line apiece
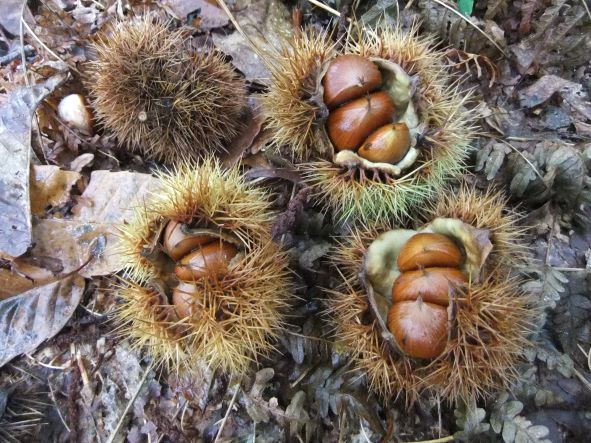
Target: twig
point(467, 19)
point(130, 403)
point(59, 413)
point(325, 7)
point(22, 42)
point(238, 27)
point(363, 431)
point(584, 2)
point(44, 46)
point(227, 414)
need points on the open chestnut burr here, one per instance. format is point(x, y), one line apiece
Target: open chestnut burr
point(438, 309)
point(375, 127)
point(205, 282)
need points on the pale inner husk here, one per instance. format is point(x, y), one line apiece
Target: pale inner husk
point(397, 83)
point(380, 264)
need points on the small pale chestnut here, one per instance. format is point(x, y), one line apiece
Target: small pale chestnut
point(349, 125)
point(389, 144)
point(420, 328)
point(183, 299)
point(426, 250)
point(433, 285)
point(74, 111)
point(211, 260)
point(177, 243)
point(349, 77)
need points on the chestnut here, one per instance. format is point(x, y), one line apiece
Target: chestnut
point(433, 285)
point(349, 125)
point(178, 243)
point(420, 328)
point(349, 77)
point(388, 144)
point(426, 250)
point(211, 260)
point(183, 299)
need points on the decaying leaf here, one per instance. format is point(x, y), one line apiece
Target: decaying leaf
point(31, 318)
point(464, 60)
point(266, 22)
point(469, 419)
point(50, 187)
point(549, 283)
point(505, 419)
point(454, 29)
point(299, 419)
point(259, 409)
point(490, 158)
point(110, 196)
point(15, 151)
point(205, 14)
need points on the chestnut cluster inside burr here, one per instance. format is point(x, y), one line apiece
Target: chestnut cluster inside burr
point(430, 273)
point(361, 116)
point(198, 257)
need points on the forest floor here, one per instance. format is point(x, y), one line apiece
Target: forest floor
point(67, 375)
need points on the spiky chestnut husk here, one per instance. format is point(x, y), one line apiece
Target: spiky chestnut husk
point(492, 322)
point(296, 114)
point(160, 97)
point(237, 316)
point(208, 194)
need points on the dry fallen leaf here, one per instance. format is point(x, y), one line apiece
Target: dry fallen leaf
point(50, 187)
point(15, 151)
point(37, 315)
point(110, 197)
point(208, 15)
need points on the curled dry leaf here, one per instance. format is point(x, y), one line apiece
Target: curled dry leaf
point(464, 60)
point(37, 315)
point(15, 148)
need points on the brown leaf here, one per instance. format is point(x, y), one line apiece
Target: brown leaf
point(37, 315)
point(267, 23)
point(252, 126)
point(15, 147)
point(50, 186)
point(286, 173)
point(208, 14)
point(111, 197)
point(463, 60)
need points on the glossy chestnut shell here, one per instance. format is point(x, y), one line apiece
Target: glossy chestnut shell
point(388, 144)
point(433, 285)
point(211, 260)
point(349, 125)
point(426, 250)
point(183, 299)
point(177, 243)
point(349, 77)
point(420, 328)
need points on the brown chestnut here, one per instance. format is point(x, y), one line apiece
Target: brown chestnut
point(389, 144)
point(183, 299)
point(211, 260)
point(433, 285)
point(349, 77)
point(420, 328)
point(178, 243)
point(427, 250)
point(349, 125)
